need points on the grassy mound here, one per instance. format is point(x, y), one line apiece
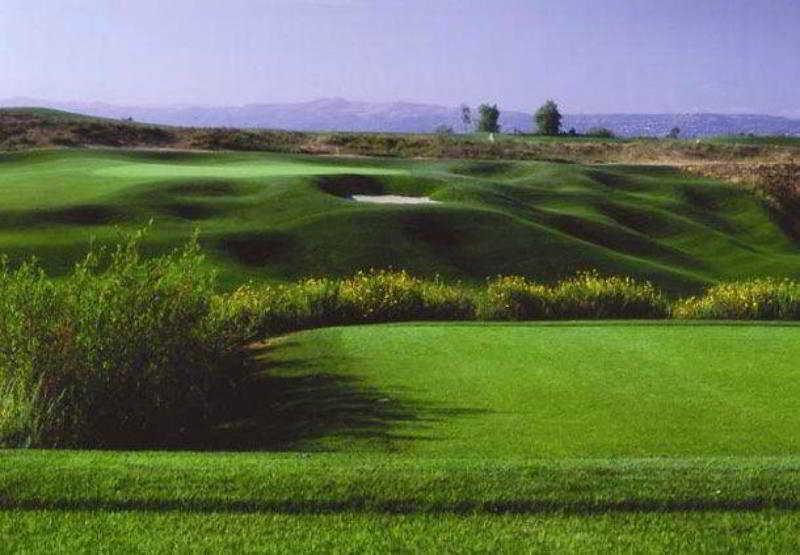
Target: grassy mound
point(273, 218)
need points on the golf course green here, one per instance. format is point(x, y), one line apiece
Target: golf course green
point(272, 218)
point(459, 437)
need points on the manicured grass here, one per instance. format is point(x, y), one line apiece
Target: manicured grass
point(269, 217)
point(160, 502)
point(561, 389)
point(459, 437)
point(157, 532)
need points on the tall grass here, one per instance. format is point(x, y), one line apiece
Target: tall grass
point(394, 296)
point(366, 297)
point(585, 296)
point(125, 350)
point(758, 299)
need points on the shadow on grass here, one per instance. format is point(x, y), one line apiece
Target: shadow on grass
point(407, 506)
point(786, 218)
point(283, 405)
point(79, 215)
point(258, 248)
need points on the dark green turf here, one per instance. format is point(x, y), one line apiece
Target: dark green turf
point(273, 217)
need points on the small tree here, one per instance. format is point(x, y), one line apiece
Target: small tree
point(600, 132)
point(548, 119)
point(489, 116)
point(674, 133)
point(466, 118)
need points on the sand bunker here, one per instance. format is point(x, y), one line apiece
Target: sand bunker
point(393, 199)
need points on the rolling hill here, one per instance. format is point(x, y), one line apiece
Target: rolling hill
point(278, 217)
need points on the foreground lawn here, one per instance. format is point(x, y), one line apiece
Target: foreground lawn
point(270, 217)
point(90, 532)
point(458, 437)
point(161, 502)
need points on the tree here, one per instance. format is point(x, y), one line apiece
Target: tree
point(600, 132)
point(548, 119)
point(466, 118)
point(489, 116)
point(674, 133)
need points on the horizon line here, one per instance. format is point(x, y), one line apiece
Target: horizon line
point(11, 102)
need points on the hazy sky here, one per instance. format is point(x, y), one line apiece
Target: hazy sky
point(590, 55)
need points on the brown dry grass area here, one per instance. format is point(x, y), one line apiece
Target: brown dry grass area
point(20, 129)
point(778, 181)
point(769, 169)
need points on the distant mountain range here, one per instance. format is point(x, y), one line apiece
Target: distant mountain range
point(336, 114)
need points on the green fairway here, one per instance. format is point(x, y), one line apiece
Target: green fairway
point(459, 437)
point(560, 390)
point(234, 170)
point(270, 217)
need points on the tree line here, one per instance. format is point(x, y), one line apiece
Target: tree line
point(547, 121)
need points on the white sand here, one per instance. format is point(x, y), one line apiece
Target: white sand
point(393, 199)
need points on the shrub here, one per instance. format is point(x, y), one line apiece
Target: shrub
point(757, 299)
point(123, 352)
point(586, 296)
point(600, 133)
point(592, 296)
point(514, 298)
point(366, 297)
point(307, 304)
point(385, 296)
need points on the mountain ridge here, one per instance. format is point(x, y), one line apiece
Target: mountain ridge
point(340, 114)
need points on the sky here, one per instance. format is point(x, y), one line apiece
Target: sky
point(592, 56)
